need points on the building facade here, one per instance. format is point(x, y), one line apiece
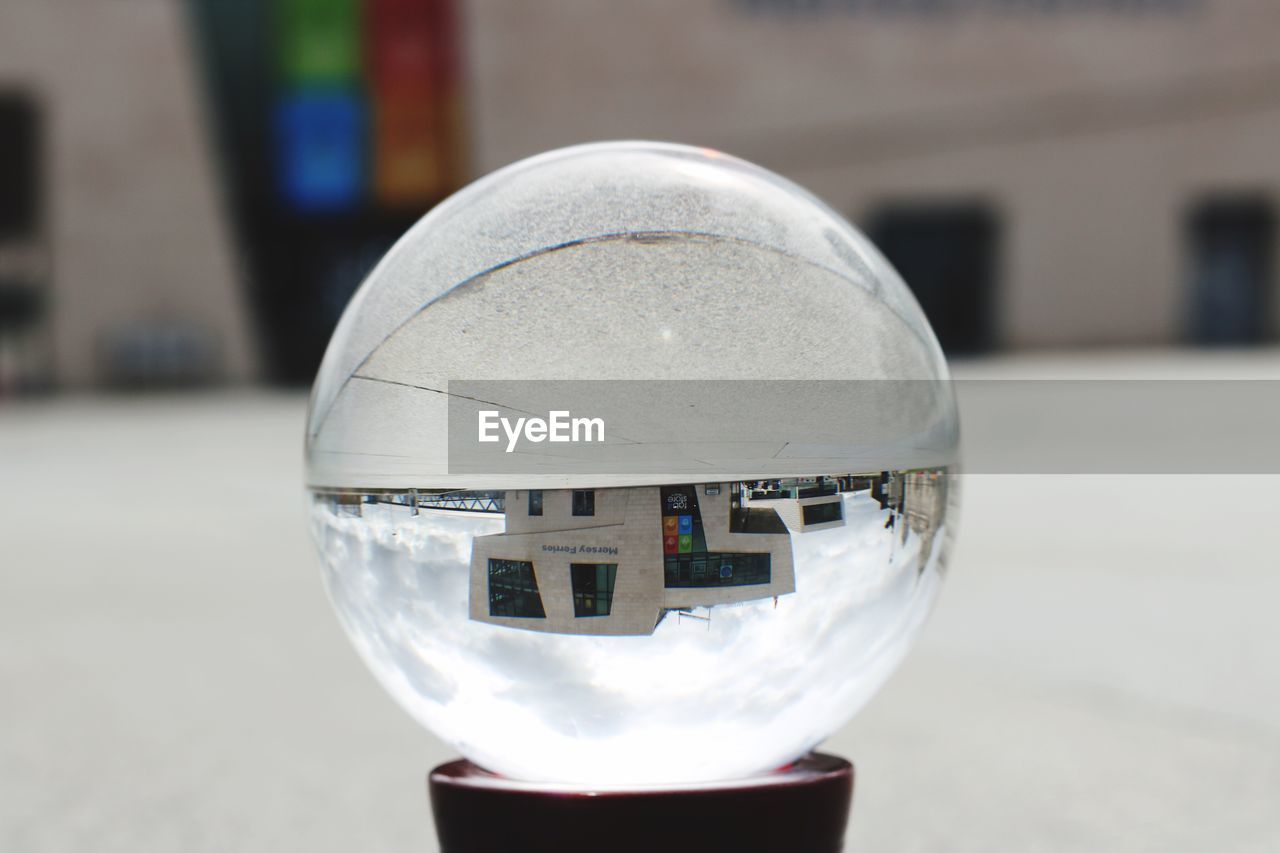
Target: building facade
point(616, 561)
point(1044, 174)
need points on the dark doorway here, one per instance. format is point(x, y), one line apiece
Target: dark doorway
point(1231, 242)
point(23, 262)
point(947, 255)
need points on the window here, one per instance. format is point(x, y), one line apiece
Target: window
point(946, 253)
point(584, 502)
point(23, 289)
point(717, 569)
point(593, 588)
point(816, 490)
point(513, 590)
point(535, 502)
point(1231, 248)
point(822, 513)
point(20, 167)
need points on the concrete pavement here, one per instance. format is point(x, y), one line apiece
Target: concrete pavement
point(1102, 673)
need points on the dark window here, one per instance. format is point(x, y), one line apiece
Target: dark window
point(22, 285)
point(755, 520)
point(584, 502)
point(947, 256)
point(19, 167)
point(593, 588)
point(716, 569)
point(817, 490)
point(513, 590)
point(535, 502)
point(1231, 246)
point(822, 513)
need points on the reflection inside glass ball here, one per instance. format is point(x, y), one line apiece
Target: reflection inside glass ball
point(705, 594)
point(648, 634)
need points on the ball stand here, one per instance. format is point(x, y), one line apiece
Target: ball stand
point(801, 808)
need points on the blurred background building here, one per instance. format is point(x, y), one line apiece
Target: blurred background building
point(190, 190)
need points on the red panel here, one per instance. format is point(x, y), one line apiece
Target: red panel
point(411, 161)
point(413, 74)
point(412, 47)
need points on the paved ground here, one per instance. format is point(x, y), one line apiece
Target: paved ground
point(1102, 674)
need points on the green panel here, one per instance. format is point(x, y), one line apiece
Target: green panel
point(318, 41)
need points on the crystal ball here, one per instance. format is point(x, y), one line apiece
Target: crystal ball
point(714, 568)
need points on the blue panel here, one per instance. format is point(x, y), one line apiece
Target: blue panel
point(320, 145)
point(686, 524)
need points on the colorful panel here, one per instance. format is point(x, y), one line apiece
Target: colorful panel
point(320, 150)
point(411, 46)
point(318, 41)
point(410, 160)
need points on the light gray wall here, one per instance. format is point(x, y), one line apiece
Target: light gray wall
point(134, 225)
point(1089, 132)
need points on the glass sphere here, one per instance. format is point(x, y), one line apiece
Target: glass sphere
point(713, 613)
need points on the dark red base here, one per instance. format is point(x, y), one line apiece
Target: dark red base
point(799, 809)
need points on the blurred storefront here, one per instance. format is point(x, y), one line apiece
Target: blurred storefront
point(191, 189)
